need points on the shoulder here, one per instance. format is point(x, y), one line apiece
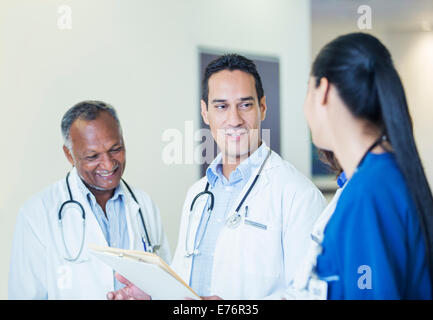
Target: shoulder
point(40, 210)
point(290, 178)
point(298, 194)
point(197, 187)
point(378, 190)
point(142, 197)
point(48, 198)
point(378, 180)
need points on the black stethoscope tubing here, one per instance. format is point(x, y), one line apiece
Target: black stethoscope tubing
point(212, 197)
point(83, 215)
point(211, 205)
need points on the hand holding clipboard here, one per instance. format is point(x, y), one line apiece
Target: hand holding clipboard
point(144, 271)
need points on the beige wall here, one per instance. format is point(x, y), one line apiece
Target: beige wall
point(142, 57)
point(413, 56)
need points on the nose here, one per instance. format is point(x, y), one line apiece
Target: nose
point(107, 162)
point(234, 119)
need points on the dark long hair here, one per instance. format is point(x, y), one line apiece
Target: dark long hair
point(328, 158)
point(361, 69)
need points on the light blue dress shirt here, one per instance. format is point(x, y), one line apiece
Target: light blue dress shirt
point(225, 193)
point(113, 224)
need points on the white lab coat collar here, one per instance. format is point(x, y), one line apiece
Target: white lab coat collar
point(201, 202)
point(96, 235)
point(131, 212)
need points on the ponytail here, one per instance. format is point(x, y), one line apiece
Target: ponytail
point(399, 131)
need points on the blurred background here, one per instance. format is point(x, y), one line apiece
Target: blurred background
point(145, 58)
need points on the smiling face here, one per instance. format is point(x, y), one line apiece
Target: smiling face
point(98, 152)
point(234, 113)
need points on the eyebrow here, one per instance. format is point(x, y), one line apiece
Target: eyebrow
point(91, 151)
point(218, 100)
point(224, 100)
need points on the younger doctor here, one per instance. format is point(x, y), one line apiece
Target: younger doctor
point(93, 204)
point(245, 226)
point(378, 243)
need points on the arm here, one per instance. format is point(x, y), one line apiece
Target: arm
point(27, 273)
point(164, 250)
point(300, 212)
point(130, 291)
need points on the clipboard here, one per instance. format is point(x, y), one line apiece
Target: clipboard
point(145, 270)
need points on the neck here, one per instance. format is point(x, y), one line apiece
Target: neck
point(352, 146)
point(101, 196)
point(231, 163)
point(228, 168)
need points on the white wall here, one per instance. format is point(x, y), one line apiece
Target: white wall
point(142, 57)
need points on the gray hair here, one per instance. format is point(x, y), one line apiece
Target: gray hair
point(85, 110)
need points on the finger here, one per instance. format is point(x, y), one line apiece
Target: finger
point(122, 279)
point(110, 295)
point(120, 295)
point(137, 293)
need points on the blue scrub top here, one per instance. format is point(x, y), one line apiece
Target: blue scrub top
point(373, 246)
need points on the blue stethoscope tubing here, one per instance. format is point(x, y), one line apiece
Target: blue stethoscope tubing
point(71, 200)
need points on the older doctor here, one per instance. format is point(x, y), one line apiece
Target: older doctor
point(50, 259)
point(246, 225)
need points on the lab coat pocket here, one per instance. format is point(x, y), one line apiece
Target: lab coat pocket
point(261, 247)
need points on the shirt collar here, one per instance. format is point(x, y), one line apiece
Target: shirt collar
point(242, 172)
point(342, 179)
point(118, 192)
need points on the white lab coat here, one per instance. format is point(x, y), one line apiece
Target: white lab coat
point(250, 262)
point(302, 287)
point(37, 267)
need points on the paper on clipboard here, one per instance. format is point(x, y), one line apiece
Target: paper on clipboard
point(145, 270)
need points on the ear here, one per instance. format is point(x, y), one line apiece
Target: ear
point(323, 91)
point(263, 108)
point(68, 155)
point(204, 111)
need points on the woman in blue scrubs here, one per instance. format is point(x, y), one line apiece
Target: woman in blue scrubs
point(378, 244)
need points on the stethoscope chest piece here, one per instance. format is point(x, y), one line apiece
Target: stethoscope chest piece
point(234, 221)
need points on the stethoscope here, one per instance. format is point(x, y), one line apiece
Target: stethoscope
point(148, 247)
point(232, 221)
